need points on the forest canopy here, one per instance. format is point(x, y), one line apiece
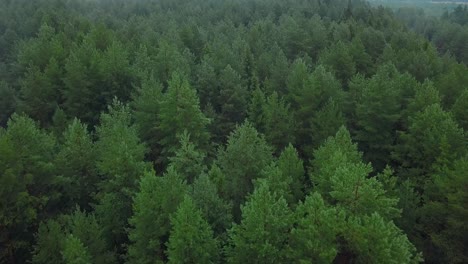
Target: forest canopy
point(233, 131)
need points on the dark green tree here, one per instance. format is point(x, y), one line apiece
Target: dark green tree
point(76, 166)
point(145, 105)
point(191, 237)
point(49, 243)
point(263, 232)
point(460, 110)
point(313, 96)
point(444, 212)
point(432, 132)
point(120, 164)
point(314, 237)
point(289, 163)
point(214, 209)
point(27, 185)
point(74, 252)
point(179, 111)
point(7, 102)
point(242, 161)
point(188, 161)
point(153, 205)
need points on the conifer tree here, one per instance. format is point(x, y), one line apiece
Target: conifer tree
point(289, 163)
point(191, 238)
point(153, 205)
point(49, 243)
point(215, 210)
point(313, 96)
point(314, 238)
point(28, 183)
point(263, 232)
point(179, 111)
point(188, 161)
point(242, 161)
point(120, 164)
point(430, 131)
point(145, 105)
point(76, 165)
point(74, 252)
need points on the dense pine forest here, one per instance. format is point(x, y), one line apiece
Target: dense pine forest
point(232, 131)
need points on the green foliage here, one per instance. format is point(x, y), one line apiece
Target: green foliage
point(191, 238)
point(232, 99)
point(188, 161)
point(425, 95)
point(27, 182)
point(310, 98)
point(7, 102)
point(314, 237)
point(242, 161)
point(179, 111)
point(291, 165)
point(342, 179)
point(75, 252)
point(86, 228)
point(153, 205)
point(378, 110)
point(340, 61)
point(50, 246)
point(120, 164)
point(273, 117)
point(106, 94)
point(444, 212)
point(76, 166)
point(460, 110)
point(376, 240)
point(215, 210)
point(432, 133)
point(145, 106)
point(263, 231)
point(49, 243)
point(326, 122)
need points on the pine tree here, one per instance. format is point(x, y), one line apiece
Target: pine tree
point(290, 164)
point(326, 122)
point(74, 252)
point(85, 227)
point(460, 110)
point(242, 161)
point(153, 205)
point(339, 60)
point(444, 212)
point(7, 102)
point(420, 147)
point(188, 161)
point(180, 111)
point(214, 209)
point(314, 95)
point(279, 125)
point(263, 232)
point(314, 238)
point(373, 239)
point(41, 59)
point(145, 105)
point(191, 238)
point(296, 80)
point(49, 243)
point(378, 110)
point(28, 183)
point(120, 165)
point(76, 164)
point(342, 179)
point(232, 100)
